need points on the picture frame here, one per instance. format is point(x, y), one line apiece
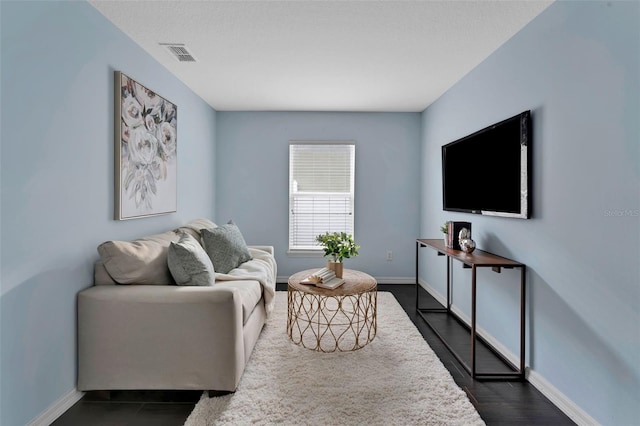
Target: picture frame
point(145, 140)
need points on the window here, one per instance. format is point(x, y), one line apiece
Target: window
point(321, 191)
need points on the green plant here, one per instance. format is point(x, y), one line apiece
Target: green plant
point(338, 245)
point(445, 228)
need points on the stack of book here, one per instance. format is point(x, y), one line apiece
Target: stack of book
point(454, 233)
point(324, 278)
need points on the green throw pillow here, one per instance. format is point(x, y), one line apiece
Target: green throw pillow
point(189, 263)
point(226, 247)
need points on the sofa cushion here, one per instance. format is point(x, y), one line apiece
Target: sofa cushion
point(225, 246)
point(193, 227)
point(100, 274)
point(141, 261)
point(189, 263)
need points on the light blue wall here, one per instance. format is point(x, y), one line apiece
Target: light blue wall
point(57, 65)
point(253, 172)
point(577, 68)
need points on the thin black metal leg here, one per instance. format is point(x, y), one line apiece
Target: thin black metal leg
point(523, 295)
point(449, 283)
point(473, 321)
point(417, 279)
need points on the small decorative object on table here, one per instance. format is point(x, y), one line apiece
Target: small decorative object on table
point(467, 245)
point(464, 234)
point(454, 233)
point(338, 245)
point(445, 230)
point(324, 278)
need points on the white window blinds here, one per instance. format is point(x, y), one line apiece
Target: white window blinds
point(321, 191)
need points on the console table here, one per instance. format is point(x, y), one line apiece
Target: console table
point(475, 260)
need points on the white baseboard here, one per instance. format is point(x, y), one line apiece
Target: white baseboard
point(57, 409)
point(560, 400)
point(396, 280)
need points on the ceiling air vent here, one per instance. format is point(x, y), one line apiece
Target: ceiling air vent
point(179, 51)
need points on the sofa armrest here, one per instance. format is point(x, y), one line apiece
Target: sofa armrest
point(159, 337)
point(268, 249)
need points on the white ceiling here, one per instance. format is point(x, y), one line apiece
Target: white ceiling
point(321, 55)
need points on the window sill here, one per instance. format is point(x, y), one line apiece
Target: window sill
point(305, 253)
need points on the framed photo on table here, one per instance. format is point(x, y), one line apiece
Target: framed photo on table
point(145, 151)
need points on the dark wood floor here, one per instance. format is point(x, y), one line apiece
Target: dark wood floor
point(498, 402)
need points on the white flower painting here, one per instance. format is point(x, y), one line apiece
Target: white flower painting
point(146, 151)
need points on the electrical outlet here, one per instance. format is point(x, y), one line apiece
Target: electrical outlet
point(389, 255)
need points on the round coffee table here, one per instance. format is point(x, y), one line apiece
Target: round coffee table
point(323, 320)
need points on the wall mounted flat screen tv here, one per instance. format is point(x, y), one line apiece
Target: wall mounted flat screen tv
point(488, 172)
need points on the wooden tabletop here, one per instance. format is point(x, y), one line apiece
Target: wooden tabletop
point(355, 282)
point(477, 257)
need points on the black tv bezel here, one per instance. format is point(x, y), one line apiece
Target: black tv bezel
point(525, 164)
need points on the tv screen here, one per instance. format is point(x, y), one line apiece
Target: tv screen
point(487, 172)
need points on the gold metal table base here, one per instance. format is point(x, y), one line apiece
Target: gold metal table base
point(324, 320)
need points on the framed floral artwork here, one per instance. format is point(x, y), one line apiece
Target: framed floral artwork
point(145, 151)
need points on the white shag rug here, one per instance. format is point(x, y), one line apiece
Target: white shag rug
point(396, 379)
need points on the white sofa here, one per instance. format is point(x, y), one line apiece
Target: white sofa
point(159, 335)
